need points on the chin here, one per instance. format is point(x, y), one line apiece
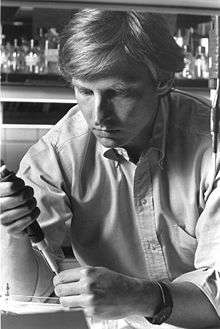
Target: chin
point(110, 143)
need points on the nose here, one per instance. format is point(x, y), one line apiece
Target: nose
point(101, 109)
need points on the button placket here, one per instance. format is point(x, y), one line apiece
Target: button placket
point(143, 198)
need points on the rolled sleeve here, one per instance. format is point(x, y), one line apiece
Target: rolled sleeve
point(41, 170)
point(207, 256)
point(208, 280)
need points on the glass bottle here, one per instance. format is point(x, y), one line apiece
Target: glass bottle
point(188, 71)
point(32, 59)
point(51, 51)
point(24, 49)
point(15, 57)
point(178, 38)
point(41, 39)
point(5, 53)
point(41, 49)
point(204, 39)
point(201, 64)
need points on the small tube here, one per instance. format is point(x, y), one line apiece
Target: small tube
point(43, 247)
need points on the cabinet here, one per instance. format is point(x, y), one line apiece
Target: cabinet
point(31, 103)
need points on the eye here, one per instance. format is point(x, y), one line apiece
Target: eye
point(123, 92)
point(128, 93)
point(84, 91)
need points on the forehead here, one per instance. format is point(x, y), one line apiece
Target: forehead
point(126, 80)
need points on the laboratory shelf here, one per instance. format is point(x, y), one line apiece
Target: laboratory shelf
point(58, 94)
point(202, 7)
point(42, 94)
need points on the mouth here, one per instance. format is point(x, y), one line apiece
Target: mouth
point(105, 132)
point(109, 130)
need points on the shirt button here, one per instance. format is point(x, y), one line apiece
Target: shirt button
point(144, 201)
point(152, 246)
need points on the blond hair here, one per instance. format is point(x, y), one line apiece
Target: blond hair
point(97, 43)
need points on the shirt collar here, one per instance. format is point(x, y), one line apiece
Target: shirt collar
point(158, 140)
point(159, 135)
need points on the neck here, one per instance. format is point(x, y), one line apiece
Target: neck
point(141, 142)
point(136, 148)
point(134, 156)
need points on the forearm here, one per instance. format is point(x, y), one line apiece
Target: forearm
point(107, 295)
point(191, 308)
point(19, 266)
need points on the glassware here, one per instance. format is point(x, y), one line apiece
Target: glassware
point(188, 71)
point(4, 58)
point(201, 64)
point(51, 51)
point(32, 59)
point(15, 57)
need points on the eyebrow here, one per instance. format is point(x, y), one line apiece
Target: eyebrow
point(127, 84)
point(119, 85)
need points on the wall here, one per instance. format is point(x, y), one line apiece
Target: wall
point(16, 140)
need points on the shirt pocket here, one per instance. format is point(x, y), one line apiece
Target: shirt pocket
point(184, 243)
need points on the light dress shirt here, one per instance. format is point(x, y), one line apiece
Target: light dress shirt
point(157, 219)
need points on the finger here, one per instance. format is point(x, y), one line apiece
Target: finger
point(77, 301)
point(69, 289)
point(90, 312)
point(20, 225)
point(18, 199)
point(12, 215)
point(71, 275)
point(12, 187)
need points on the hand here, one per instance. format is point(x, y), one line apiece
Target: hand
point(18, 206)
point(104, 293)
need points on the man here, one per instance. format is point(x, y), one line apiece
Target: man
point(129, 167)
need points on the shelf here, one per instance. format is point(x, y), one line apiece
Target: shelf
point(24, 126)
point(40, 94)
point(192, 83)
point(33, 79)
point(195, 87)
point(199, 92)
point(54, 94)
point(203, 7)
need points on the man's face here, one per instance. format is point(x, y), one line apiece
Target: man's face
point(119, 111)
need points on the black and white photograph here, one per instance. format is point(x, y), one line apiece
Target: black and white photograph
point(110, 164)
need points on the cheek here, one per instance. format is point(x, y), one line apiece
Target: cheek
point(134, 114)
point(85, 106)
point(124, 109)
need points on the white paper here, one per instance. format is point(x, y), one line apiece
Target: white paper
point(19, 307)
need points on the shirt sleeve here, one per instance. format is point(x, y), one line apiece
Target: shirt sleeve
point(207, 257)
point(40, 169)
